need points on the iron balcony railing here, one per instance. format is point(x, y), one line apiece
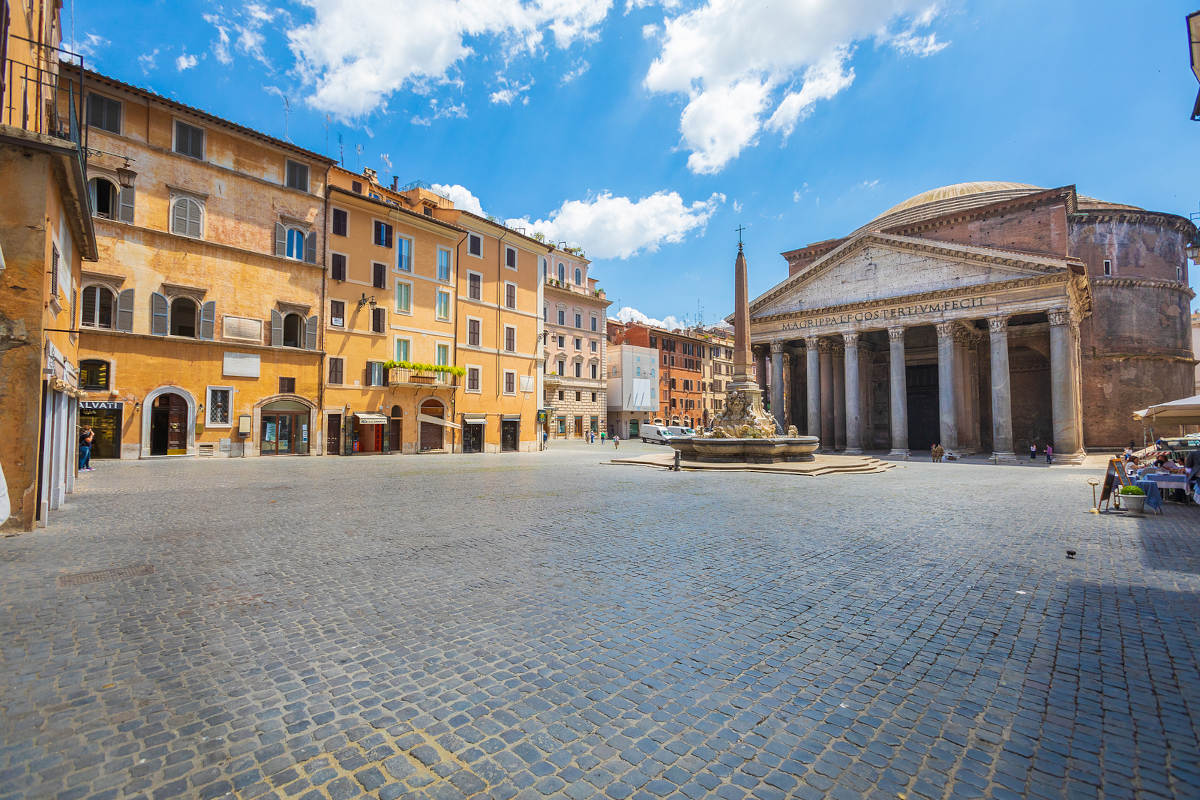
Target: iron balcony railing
point(39, 99)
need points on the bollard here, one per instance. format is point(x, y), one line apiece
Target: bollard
point(676, 467)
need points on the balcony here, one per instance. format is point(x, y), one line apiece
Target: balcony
point(567, 286)
point(36, 98)
point(408, 376)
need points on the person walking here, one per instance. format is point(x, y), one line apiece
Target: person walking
point(616, 440)
point(85, 448)
point(1033, 451)
point(1049, 453)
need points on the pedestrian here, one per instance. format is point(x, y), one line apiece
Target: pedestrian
point(933, 452)
point(1049, 453)
point(85, 449)
point(1033, 451)
point(616, 440)
point(602, 437)
point(545, 437)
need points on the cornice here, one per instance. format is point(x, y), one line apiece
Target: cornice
point(1144, 283)
point(1174, 221)
point(1064, 193)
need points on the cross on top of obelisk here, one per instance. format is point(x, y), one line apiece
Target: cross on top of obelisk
point(739, 229)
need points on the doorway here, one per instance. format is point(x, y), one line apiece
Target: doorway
point(509, 430)
point(924, 427)
point(106, 424)
point(168, 425)
point(431, 432)
point(284, 429)
point(333, 441)
point(396, 430)
point(472, 437)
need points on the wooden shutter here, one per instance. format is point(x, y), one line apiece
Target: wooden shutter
point(276, 328)
point(125, 311)
point(125, 212)
point(158, 314)
point(367, 375)
point(208, 319)
point(339, 267)
point(280, 240)
point(310, 333)
point(310, 247)
point(179, 216)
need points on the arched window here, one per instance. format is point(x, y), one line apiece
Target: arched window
point(295, 244)
point(562, 272)
point(293, 330)
point(578, 276)
point(104, 197)
point(187, 217)
point(97, 309)
point(183, 317)
point(93, 374)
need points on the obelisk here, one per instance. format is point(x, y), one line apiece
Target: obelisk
point(741, 325)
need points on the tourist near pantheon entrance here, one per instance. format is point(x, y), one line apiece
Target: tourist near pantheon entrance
point(957, 318)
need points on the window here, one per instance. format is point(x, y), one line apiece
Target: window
point(562, 317)
point(474, 245)
point(562, 340)
point(443, 305)
point(510, 257)
point(578, 320)
point(562, 367)
point(337, 269)
point(295, 244)
point(403, 254)
point(337, 313)
point(474, 286)
point(104, 113)
point(183, 317)
point(560, 394)
point(104, 198)
point(595, 323)
point(383, 234)
point(545, 268)
point(403, 349)
point(97, 307)
point(594, 345)
point(578, 276)
point(356, 187)
point(473, 332)
point(189, 140)
point(593, 397)
point(510, 382)
point(594, 368)
point(443, 265)
point(545, 313)
point(93, 374)
point(293, 330)
point(297, 175)
point(219, 398)
point(341, 222)
point(472, 379)
point(578, 370)
point(578, 395)
point(378, 320)
point(336, 366)
point(187, 217)
point(562, 426)
point(562, 272)
point(378, 275)
point(1179, 274)
point(287, 385)
point(579, 425)
point(578, 343)
point(510, 339)
point(1107, 267)
point(403, 297)
point(510, 295)
point(654, 341)
point(373, 374)
point(443, 355)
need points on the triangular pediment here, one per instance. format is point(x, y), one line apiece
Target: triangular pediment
point(875, 266)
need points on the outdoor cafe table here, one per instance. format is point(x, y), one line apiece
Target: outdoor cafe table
point(1153, 496)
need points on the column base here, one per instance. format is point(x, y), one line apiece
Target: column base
point(1006, 457)
point(899, 452)
point(1070, 458)
point(852, 451)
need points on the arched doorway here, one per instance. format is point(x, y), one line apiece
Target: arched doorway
point(396, 432)
point(168, 425)
point(283, 429)
point(432, 433)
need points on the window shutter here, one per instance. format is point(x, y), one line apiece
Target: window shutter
point(310, 333)
point(310, 247)
point(125, 214)
point(125, 311)
point(179, 217)
point(367, 375)
point(193, 219)
point(208, 318)
point(158, 314)
point(280, 240)
point(276, 328)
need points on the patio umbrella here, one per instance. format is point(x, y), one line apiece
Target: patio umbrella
point(1185, 411)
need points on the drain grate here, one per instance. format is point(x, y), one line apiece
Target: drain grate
point(101, 575)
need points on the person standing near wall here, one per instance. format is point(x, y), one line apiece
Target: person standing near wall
point(85, 449)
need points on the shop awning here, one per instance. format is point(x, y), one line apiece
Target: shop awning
point(438, 421)
point(1185, 411)
point(365, 418)
point(474, 419)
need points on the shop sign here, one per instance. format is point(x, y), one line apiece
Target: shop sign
point(101, 405)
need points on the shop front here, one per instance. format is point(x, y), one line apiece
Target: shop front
point(284, 428)
point(369, 433)
point(473, 432)
point(105, 419)
point(510, 429)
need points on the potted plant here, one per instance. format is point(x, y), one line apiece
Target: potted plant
point(398, 371)
point(421, 373)
point(1133, 499)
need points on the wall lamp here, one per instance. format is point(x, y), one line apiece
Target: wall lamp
point(364, 300)
point(125, 175)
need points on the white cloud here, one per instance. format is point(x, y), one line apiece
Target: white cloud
point(575, 73)
point(439, 110)
point(148, 61)
point(744, 65)
point(510, 91)
point(461, 196)
point(868, 185)
point(607, 226)
point(630, 314)
point(87, 47)
point(351, 56)
point(221, 46)
point(186, 62)
point(737, 206)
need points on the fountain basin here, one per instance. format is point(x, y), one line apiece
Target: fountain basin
point(749, 451)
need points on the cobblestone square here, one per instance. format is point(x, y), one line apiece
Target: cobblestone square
point(548, 625)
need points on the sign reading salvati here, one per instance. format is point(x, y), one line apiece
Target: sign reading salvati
point(101, 405)
point(881, 314)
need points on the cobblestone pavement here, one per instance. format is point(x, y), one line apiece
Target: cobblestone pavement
point(546, 625)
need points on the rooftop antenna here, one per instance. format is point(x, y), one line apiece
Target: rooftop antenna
point(341, 152)
point(287, 111)
point(358, 148)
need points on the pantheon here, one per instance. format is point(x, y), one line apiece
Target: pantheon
point(982, 316)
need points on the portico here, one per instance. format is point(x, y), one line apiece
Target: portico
point(899, 343)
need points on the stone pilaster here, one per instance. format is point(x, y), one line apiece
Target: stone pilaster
point(1002, 436)
point(898, 385)
point(947, 408)
point(839, 396)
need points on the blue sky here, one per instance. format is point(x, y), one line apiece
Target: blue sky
point(648, 131)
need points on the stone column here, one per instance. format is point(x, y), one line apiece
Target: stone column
point(839, 396)
point(777, 410)
point(812, 362)
point(897, 378)
point(1002, 439)
point(853, 396)
point(826, 349)
point(1064, 386)
point(760, 367)
point(947, 410)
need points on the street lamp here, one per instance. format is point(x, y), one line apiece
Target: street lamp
point(364, 300)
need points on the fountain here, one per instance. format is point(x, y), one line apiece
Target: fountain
point(744, 432)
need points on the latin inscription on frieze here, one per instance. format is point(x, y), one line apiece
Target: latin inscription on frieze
point(885, 315)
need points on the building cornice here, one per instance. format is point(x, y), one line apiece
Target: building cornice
point(1173, 221)
point(1144, 283)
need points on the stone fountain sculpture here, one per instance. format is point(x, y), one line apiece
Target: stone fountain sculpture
point(744, 431)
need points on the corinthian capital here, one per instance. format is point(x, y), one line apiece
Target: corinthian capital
point(824, 345)
point(776, 347)
point(998, 325)
point(1059, 316)
point(945, 330)
point(896, 334)
point(811, 342)
point(850, 338)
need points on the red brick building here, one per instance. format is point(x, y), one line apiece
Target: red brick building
point(681, 376)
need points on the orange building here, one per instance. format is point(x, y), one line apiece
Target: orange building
point(681, 374)
point(45, 235)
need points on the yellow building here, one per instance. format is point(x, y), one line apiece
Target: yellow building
point(390, 306)
point(199, 325)
point(45, 235)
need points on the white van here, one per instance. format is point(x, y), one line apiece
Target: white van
point(656, 434)
point(676, 430)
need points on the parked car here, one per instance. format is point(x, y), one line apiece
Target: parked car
point(656, 434)
point(679, 430)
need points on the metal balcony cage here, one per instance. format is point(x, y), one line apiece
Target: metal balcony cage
point(35, 96)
